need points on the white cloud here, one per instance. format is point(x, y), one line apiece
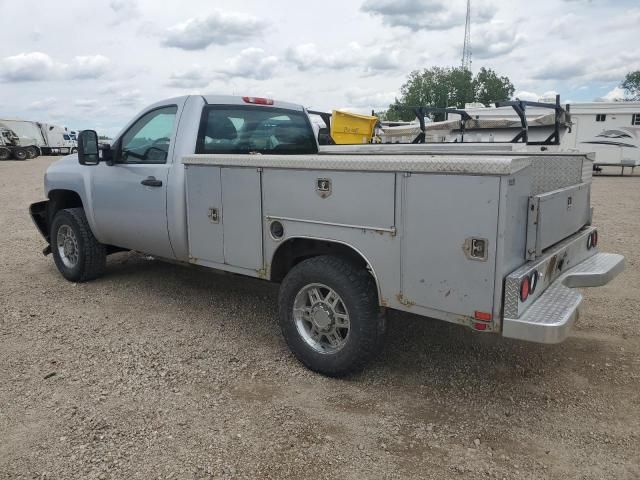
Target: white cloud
point(561, 68)
point(88, 66)
point(219, 28)
point(251, 63)
point(27, 67)
point(129, 98)
point(369, 99)
point(425, 14)
point(495, 39)
point(124, 10)
point(43, 104)
point(309, 56)
point(382, 60)
point(524, 95)
point(615, 95)
point(193, 77)
point(85, 103)
point(38, 66)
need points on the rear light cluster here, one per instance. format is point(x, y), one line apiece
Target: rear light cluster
point(592, 240)
point(484, 320)
point(258, 100)
point(528, 285)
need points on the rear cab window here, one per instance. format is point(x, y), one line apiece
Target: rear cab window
point(249, 129)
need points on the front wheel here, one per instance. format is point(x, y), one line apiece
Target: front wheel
point(329, 315)
point(76, 252)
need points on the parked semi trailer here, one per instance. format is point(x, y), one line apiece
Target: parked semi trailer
point(47, 138)
point(495, 241)
point(15, 147)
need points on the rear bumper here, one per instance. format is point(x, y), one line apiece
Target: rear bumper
point(550, 317)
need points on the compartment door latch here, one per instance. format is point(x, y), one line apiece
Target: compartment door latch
point(214, 215)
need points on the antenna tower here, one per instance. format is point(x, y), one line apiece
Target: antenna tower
point(466, 49)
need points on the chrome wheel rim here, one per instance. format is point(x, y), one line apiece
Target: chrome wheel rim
point(67, 246)
point(322, 318)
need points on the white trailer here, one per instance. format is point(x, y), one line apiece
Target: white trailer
point(49, 139)
point(611, 130)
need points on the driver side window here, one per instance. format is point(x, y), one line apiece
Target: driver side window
point(148, 139)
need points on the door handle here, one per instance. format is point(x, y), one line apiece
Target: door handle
point(151, 182)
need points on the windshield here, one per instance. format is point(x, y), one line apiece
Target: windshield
point(238, 129)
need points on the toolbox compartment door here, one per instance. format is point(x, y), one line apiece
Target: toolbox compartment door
point(440, 214)
point(553, 216)
point(204, 214)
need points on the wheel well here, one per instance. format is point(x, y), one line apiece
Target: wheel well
point(295, 250)
point(61, 199)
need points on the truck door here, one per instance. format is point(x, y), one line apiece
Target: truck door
point(130, 197)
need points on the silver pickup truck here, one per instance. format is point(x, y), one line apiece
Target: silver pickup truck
point(493, 240)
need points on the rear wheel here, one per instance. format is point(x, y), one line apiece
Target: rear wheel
point(20, 153)
point(76, 252)
point(5, 153)
point(32, 152)
point(329, 315)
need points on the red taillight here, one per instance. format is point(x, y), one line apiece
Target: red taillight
point(258, 100)
point(480, 326)
point(524, 289)
point(594, 240)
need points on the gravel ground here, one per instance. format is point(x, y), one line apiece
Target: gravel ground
point(161, 371)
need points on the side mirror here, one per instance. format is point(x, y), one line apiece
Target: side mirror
point(88, 148)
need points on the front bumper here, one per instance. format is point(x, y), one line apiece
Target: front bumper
point(550, 317)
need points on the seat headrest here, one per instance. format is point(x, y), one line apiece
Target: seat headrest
point(220, 127)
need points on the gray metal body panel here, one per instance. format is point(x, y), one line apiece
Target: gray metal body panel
point(356, 198)
point(204, 191)
point(561, 213)
point(435, 271)
point(241, 212)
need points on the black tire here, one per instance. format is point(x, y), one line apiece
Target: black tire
point(91, 255)
point(357, 290)
point(32, 152)
point(74, 150)
point(20, 153)
point(5, 153)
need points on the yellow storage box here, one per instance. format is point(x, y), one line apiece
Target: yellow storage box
point(351, 128)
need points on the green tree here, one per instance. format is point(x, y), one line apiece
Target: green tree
point(488, 87)
point(448, 87)
point(631, 85)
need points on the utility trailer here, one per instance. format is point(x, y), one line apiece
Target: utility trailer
point(492, 240)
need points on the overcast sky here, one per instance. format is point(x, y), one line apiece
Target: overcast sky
point(94, 64)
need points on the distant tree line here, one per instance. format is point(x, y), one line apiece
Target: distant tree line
point(448, 87)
